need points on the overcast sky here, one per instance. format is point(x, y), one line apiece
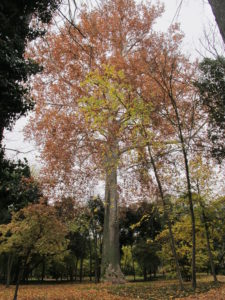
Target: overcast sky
point(194, 17)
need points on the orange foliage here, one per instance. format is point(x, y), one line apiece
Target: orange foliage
point(130, 291)
point(60, 292)
point(119, 33)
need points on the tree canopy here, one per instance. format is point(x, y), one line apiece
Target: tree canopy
point(211, 85)
point(17, 187)
point(16, 30)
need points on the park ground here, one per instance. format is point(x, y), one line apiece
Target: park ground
point(153, 290)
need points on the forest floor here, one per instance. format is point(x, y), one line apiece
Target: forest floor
point(152, 290)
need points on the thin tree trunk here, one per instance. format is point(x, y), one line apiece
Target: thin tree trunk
point(70, 273)
point(90, 261)
point(9, 268)
point(99, 269)
point(17, 284)
point(145, 274)
point(209, 248)
point(21, 268)
point(110, 268)
point(43, 270)
point(96, 257)
point(191, 207)
point(20, 273)
point(188, 180)
point(133, 266)
point(1, 132)
point(81, 269)
point(204, 219)
point(194, 283)
point(76, 266)
point(172, 241)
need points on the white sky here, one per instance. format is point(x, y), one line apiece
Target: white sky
point(194, 17)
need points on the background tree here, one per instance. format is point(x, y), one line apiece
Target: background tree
point(153, 77)
point(152, 156)
point(215, 211)
point(34, 229)
point(211, 86)
point(173, 74)
point(17, 187)
point(202, 173)
point(15, 18)
point(95, 214)
point(145, 246)
point(146, 254)
point(183, 241)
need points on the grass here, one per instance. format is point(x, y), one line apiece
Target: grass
point(153, 290)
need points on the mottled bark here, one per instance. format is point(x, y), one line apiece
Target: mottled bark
point(110, 268)
point(218, 8)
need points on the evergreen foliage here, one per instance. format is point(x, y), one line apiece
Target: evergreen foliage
point(17, 187)
point(211, 85)
point(15, 31)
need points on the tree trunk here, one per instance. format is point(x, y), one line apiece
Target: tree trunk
point(43, 270)
point(209, 248)
point(90, 261)
point(145, 274)
point(9, 268)
point(71, 273)
point(96, 257)
point(204, 219)
point(188, 181)
point(167, 219)
point(75, 272)
point(99, 269)
point(19, 277)
point(218, 8)
point(81, 269)
point(1, 132)
point(133, 266)
point(110, 267)
point(17, 285)
point(191, 207)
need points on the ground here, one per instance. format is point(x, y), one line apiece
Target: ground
point(153, 290)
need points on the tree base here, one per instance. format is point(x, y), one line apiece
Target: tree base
point(113, 275)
